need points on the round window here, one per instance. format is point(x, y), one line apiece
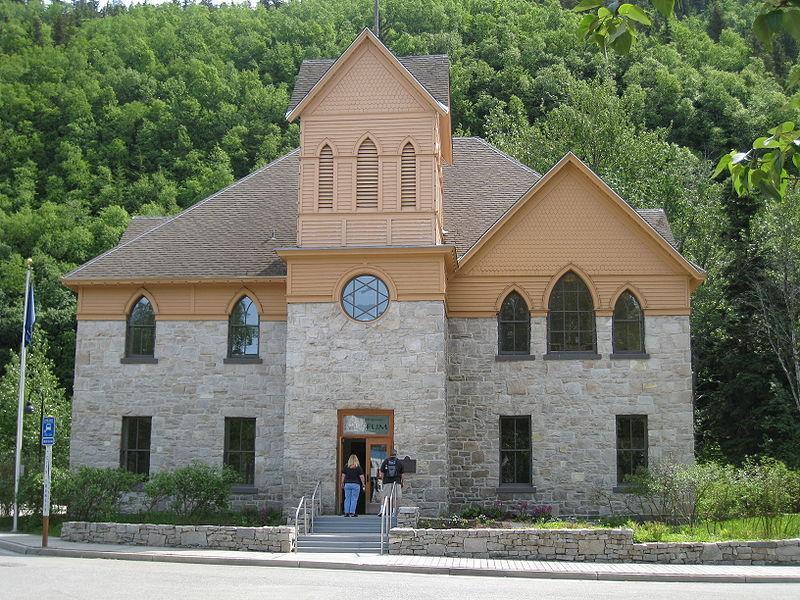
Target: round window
point(365, 298)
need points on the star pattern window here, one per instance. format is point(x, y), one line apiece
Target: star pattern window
point(365, 298)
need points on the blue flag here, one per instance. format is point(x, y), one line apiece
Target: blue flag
point(30, 316)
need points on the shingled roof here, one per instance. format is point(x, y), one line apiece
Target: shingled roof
point(138, 226)
point(234, 232)
point(432, 71)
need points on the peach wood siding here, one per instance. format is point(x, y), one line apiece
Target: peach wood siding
point(569, 222)
point(176, 301)
point(411, 274)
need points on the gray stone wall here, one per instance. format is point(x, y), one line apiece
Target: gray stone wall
point(396, 362)
point(262, 539)
point(573, 405)
point(188, 394)
point(590, 545)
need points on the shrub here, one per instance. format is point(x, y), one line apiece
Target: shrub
point(768, 490)
point(90, 494)
point(31, 487)
point(193, 490)
point(481, 513)
point(539, 512)
point(651, 531)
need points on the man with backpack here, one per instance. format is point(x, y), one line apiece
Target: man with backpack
point(391, 476)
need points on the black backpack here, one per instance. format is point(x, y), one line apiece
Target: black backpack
point(391, 468)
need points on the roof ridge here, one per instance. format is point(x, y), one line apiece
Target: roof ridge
point(180, 214)
point(504, 154)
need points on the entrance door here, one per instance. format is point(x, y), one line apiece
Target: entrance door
point(369, 435)
point(357, 446)
point(377, 451)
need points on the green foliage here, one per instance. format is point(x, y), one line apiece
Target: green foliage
point(192, 490)
point(90, 494)
point(247, 518)
point(613, 25)
point(45, 394)
point(710, 494)
point(482, 513)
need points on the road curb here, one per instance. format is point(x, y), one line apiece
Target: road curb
point(394, 568)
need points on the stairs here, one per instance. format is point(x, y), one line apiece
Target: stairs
point(331, 533)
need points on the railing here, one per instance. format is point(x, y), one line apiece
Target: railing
point(387, 513)
point(316, 504)
point(316, 510)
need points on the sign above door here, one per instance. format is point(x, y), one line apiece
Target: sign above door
point(366, 424)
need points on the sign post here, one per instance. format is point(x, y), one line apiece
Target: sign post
point(48, 439)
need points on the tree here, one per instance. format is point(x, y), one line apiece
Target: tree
point(778, 293)
point(45, 395)
point(773, 161)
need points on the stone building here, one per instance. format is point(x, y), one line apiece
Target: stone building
point(519, 337)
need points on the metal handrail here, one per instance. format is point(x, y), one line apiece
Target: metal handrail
point(387, 512)
point(302, 505)
point(316, 497)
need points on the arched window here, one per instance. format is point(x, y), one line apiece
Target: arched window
point(628, 325)
point(367, 175)
point(140, 335)
point(243, 330)
point(514, 326)
point(408, 177)
point(570, 320)
point(325, 199)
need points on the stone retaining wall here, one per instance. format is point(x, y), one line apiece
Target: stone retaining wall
point(263, 539)
point(585, 545)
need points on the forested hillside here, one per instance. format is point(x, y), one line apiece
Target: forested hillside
point(105, 114)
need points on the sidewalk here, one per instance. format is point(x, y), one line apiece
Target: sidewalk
point(31, 545)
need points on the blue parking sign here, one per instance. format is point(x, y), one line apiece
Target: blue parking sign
point(48, 431)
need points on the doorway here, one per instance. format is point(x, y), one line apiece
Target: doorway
point(369, 435)
point(357, 446)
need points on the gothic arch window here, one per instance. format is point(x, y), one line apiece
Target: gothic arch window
point(243, 329)
point(140, 333)
point(514, 326)
point(408, 177)
point(628, 325)
point(325, 184)
point(367, 175)
point(570, 318)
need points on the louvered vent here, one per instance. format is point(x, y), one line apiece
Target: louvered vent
point(325, 200)
point(367, 175)
point(408, 177)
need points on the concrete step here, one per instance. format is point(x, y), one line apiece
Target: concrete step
point(342, 536)
point(325, 550)
point(339, 543)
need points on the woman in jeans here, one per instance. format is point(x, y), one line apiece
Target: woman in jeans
point(352, 484)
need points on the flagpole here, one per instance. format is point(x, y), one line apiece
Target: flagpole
point(21, 401)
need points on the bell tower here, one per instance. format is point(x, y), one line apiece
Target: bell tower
point(373, 139)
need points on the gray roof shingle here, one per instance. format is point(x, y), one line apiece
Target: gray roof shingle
point(138, 226)
point(433, 72)
point(657, 219)
point(234, 232)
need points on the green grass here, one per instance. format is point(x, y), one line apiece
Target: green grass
point(237, 519)
point(782, 527)
point(33, 524)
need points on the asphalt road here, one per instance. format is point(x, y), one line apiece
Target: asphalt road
point(45, 578)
